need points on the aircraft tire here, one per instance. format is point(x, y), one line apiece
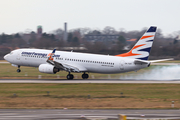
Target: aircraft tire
point(85, 76)
point(18, 70)
point(70, 76)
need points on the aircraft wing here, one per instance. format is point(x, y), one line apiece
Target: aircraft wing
point(63, 66)
point(66, 67)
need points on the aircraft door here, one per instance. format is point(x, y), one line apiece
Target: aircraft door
point(18, 56)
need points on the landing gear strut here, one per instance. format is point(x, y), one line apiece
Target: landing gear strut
point(85, 76)
point(70, 76)
point(18, 70)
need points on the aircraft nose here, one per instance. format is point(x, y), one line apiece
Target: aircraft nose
point(6, 57)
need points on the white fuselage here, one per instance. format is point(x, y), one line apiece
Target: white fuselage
point(83, 61)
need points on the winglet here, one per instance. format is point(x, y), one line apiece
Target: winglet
point(54, 51)
point(50, 55)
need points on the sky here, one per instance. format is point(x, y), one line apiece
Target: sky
point(21, 15)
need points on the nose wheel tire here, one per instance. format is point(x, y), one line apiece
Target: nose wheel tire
point(18, 70)
point(70, 76)
point(85, 76)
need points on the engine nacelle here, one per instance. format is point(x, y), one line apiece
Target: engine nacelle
point(47, 68)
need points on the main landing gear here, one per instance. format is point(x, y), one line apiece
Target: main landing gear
point(18, 70)
point(71, 76)
point(85, 76)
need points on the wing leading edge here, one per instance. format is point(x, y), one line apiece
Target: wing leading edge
point(63, 66)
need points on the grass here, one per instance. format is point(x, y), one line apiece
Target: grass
point(89, 96)
point(85, 96)
point(9, 72)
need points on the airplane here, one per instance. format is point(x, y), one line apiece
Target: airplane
point(51, 62)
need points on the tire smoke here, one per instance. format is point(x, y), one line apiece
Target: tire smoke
point(156, 73)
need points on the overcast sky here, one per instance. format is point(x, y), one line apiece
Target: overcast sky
point(19, 15)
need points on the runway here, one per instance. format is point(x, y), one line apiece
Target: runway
point(88, 81)
point(54, 114)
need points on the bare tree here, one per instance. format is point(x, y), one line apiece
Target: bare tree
point(109, 30)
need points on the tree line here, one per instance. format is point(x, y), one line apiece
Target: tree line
point(164, 46)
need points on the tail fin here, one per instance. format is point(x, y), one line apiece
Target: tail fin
point(142, 48)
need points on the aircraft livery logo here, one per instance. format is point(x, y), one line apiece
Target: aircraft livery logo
point(142, 48)
point(50, 55)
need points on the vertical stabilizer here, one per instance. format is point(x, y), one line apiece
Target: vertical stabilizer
point(142, 48)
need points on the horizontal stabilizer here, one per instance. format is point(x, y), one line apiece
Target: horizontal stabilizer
point(141, 62)
point(152, 61)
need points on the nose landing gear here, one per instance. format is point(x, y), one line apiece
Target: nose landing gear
point(18, 70)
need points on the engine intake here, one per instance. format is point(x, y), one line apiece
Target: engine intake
point(47, 68)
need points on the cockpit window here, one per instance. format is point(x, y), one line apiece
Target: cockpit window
point(11, 53)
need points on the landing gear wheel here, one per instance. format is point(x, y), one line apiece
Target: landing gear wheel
point(70, 76)
point(18, 70)
point(85, 76)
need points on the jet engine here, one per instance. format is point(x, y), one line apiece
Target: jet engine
point(47, 68)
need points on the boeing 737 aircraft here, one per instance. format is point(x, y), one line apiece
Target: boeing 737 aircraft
point(54, 61)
